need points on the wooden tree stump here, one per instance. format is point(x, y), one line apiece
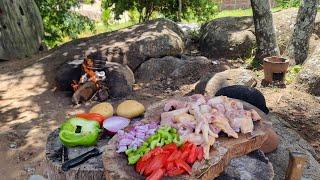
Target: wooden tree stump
point(116, 165)
point(56, 154)
point(21, 29)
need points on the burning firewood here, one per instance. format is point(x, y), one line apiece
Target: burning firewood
point(84, 92)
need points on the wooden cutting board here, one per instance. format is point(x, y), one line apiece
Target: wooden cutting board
point(116, 165)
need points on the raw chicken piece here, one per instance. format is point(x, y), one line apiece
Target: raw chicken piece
point(194, 138)
point(205, 108)
point(198, 99)
point(183, 117)
point(223, 124)
point(246, 125)
point(174, 105)
point(167, 117)
point(254, 115)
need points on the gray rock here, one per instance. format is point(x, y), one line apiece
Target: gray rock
point(119, 79)
point(211, 84)
point(175, 68)
point(230, 37)
point(245, 167)
point(234, 36)
point(36, 177)
point(136, 44)
point(309, 76)
point(291, 140)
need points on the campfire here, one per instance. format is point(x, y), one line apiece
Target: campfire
point(91, 83)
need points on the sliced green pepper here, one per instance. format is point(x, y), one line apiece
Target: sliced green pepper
point(78, 131)
point(133, 159)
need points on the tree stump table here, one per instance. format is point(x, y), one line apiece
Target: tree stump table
point(56, 154)
point(226, 160)
point(116, 165)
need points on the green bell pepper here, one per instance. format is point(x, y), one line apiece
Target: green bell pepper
point(78, 131)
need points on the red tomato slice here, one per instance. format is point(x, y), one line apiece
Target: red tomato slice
point(151, 153)
point(192, 155)
point(157, 162)
point(200, 153)
point(184, 155)
point(92, 116)
point(156, 175)
point(184, 165)
point(175, 155)
point(170, 147)
point(185, 146)
point(175, 172)
point(169, 166)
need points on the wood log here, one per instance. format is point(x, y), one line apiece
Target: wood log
point(21, 29)
point(116, 165)
point(56, 154)
point(297, 160)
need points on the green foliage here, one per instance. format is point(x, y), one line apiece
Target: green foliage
point(200, 10)
point(288, 3)
point(106, 14)
point(88, 1)
point(59, 21)
point(292, 73)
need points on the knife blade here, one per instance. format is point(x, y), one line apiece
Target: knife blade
point(81, 158)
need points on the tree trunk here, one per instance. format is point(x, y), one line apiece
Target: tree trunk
point(180, 10)
point(297, 49)
point(264, 30)
point(21, 29)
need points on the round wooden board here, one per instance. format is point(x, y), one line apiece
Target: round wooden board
point(116, 165)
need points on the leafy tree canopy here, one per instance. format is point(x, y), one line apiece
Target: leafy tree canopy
point(199, 10)
point(60, 21)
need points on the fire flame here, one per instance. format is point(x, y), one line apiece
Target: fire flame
point(87, 67)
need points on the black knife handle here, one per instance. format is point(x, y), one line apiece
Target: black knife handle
point(80, 159)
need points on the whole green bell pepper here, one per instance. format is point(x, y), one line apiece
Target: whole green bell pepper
point(78, 131)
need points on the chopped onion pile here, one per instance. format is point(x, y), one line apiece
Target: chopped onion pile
point(136, 136)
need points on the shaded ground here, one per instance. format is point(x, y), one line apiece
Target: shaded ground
point(31, 107)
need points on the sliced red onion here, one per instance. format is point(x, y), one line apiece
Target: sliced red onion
point(115, 123)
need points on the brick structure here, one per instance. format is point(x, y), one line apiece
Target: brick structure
point(238, 4)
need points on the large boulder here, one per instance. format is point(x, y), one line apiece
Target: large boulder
point(309, 76)
point(21, 29)
point(136, 44)
point(120, 79)
point(176, 68)
point(234, 36)
point(211, 84)
point(230, 37)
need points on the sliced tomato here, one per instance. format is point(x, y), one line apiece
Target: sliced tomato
point(156, 175)
point(186, 146)
point(175, 155)
point(176, 171)
point(151, 153)
point(170, 165)
point(184, 165)
point(92, 116)
point(184, 155)
point(192, 154)
point(157, 162)
point(200, 153)
point(170, 147)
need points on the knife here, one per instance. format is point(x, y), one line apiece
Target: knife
point(81, 159)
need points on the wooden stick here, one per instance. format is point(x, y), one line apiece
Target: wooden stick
point(296, 164)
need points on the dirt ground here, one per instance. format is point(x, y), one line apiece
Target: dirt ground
point(31, 108)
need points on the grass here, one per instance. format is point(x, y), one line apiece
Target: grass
point(292, 73)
